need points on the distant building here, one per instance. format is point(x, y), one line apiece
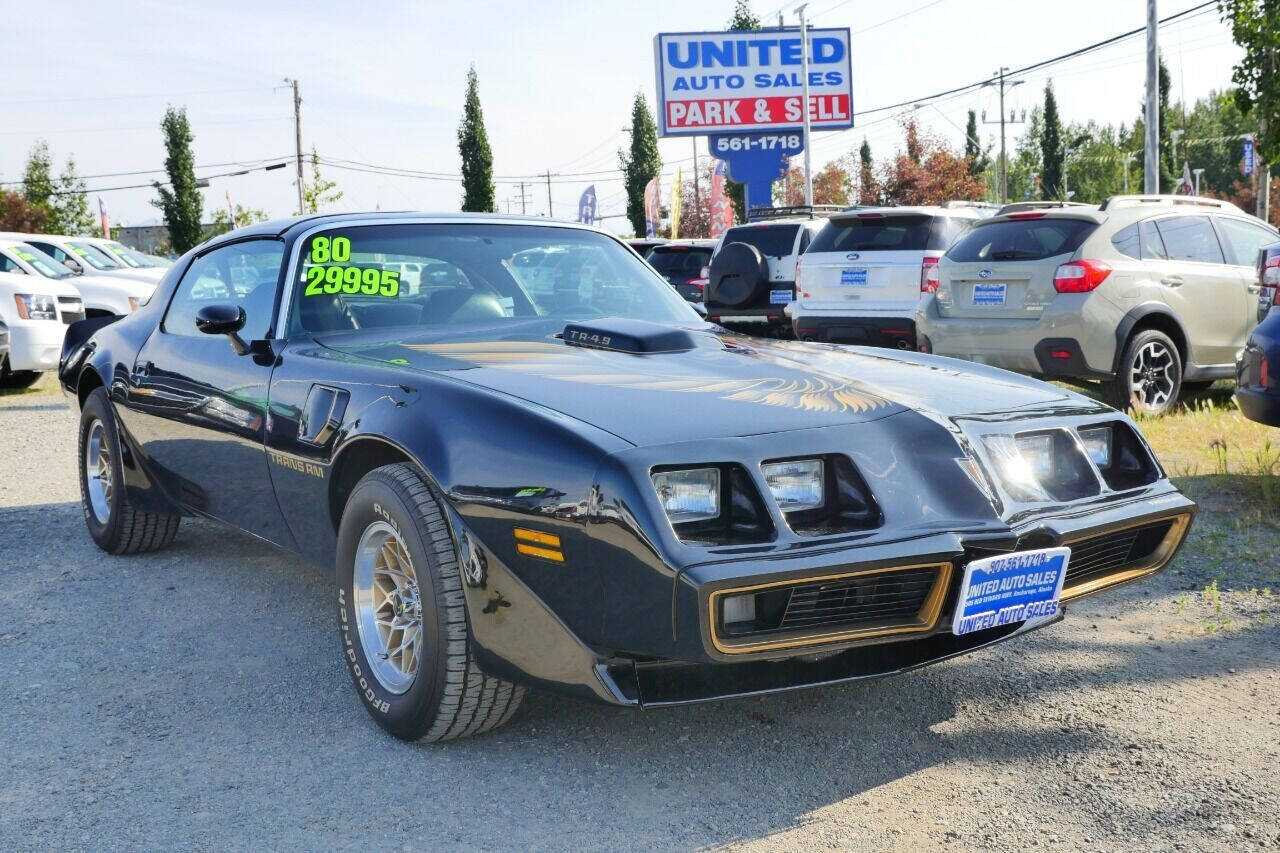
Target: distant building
point(153, 239)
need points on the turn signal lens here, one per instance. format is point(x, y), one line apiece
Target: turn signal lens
point(1080, 276)
point(689, 495)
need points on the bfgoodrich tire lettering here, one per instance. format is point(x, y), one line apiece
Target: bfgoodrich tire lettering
point(449, 697)
point(115, 525)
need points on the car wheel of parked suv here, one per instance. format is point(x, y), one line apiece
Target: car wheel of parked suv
point(1149, 378)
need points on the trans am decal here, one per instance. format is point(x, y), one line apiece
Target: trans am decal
point(592, 367)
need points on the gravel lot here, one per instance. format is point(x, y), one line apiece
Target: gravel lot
point(195, 698)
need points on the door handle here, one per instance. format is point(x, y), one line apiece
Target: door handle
point(1171, 281)
point(1254, 288)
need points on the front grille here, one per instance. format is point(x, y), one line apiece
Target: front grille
point(1097, 557)
point(72, 309)
point(858, 601)
point(832, 609)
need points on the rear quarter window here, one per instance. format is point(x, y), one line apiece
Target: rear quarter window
point(1021, 240)
point(773, 241)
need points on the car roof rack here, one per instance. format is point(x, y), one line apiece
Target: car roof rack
point(960, 203)
point(1019, 206)
point(805, 211)
point(1121, 201)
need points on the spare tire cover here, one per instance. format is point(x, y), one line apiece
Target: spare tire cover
point(738, 271)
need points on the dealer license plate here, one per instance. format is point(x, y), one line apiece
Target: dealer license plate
point(854, 275)
point(1010, 588)
point(989, 293)
point(780, 297)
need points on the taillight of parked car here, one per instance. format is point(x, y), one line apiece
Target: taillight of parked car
point(1080, 276)
point(929, 276)
point(799, 272)
point(1270, 280)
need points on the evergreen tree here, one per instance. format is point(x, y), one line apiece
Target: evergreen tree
point(477, 158)
point(180, 201)
point(1051, 152)
point(979, 162)
point(73, 203)
point(868, 191)
point(1170, 171)
point(743, 19)
point(642, 163)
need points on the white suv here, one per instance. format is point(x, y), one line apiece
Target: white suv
point(861, 278)
point(36, 310)
point(103, 295)
point(752, 276)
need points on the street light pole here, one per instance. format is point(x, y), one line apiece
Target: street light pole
point(804, 71)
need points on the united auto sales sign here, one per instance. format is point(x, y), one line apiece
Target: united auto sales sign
point(751, 80)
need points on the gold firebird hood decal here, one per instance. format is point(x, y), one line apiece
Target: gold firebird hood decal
point(598, 367)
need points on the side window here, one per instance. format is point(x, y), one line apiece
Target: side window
point(1190, 238)
point(1126, 241)
point(243, 274)
point(50, 249)
point(1152, 243)
point(805, 239)
point(8, 264)
point(1245, 239)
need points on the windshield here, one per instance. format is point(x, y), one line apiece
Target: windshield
point(124, 253)
point(93, 256)
point(450, 275)
point(670, 260)
point(1021, 240)
point(878, 233)
point(773, 241)
point(40, 262)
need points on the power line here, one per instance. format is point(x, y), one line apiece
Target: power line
point(161, 169)
point(205, 178)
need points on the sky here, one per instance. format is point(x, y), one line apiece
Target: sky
point(382, 83)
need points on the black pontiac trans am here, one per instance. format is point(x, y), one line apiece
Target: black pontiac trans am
point(576, 483)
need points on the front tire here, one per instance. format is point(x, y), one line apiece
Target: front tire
point(1149, 380)
point(402, 615)
point(115, 525)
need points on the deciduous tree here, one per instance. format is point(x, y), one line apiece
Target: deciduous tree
point(180, 201)
point(319, 192)
point(18, 214)
point(938, 176)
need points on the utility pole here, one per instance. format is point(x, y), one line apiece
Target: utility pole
point(804, 70)
point(297, 136)
point(549, 175)
point(1004, 157)
point(697, 196)
point(524, 197)
point(1151, 145)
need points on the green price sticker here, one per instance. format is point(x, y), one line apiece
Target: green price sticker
point(351, 281)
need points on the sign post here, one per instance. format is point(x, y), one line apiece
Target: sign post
point(753, 92)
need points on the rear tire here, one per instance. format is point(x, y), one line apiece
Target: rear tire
point(1149, 379)
point(402, 615)
point(114, 524)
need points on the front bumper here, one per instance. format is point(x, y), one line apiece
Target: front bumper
point(35, 344)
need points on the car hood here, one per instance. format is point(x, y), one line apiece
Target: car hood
point(118, 284)
point(726, 385)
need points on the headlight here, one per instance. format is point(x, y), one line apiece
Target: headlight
point(689, 495)
point(1097, 443)
point(795, 485)
point(1037, 450)
point(35, 306)
point(1017, 462)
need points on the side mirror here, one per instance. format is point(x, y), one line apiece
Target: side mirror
point(223, 319)
point(75, 266)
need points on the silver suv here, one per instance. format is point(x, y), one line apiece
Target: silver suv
point(1151, 295)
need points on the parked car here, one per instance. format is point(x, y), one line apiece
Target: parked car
point(1149, 295)
point(83, 257)
point(644, 245)
point(502, 495)
point(752, 278)
point(101, 294)
point(4, 346)
point(36, 310)
point(1258, 364)
point(861, 279)
point(683, 263)
point(153, 268)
